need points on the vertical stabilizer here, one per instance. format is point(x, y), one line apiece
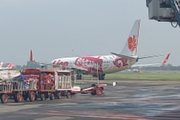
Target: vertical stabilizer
point(166, 59)
point(31, 56)
point(10, 66)
point(1, 64)
point(130, 48)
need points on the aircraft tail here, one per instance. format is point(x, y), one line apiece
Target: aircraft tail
point(130, 48)
point(10, 66)
point(31, 56)
point(1, 64)
point(166, 59)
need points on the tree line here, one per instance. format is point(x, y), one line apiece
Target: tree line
point(163, 67)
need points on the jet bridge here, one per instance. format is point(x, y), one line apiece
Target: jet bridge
point(164, 11)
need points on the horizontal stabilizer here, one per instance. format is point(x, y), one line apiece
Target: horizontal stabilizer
point(147, 65)
point(124, 56)
point(154, 64)
point(151, 56)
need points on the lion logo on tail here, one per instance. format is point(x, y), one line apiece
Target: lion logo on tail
point(132, 43)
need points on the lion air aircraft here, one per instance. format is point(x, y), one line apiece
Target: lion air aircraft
point(101, 65)
point(9, 66)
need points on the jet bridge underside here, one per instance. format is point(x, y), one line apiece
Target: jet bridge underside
point(164, 11)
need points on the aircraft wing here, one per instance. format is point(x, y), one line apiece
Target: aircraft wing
point(77, 68)
point(153, 64)
point(41, 63)
point(147, 65)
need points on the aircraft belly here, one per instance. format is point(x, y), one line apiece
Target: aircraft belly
point(114, 69)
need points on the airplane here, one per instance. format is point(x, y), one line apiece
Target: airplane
point(136, 68)
point(104, 64)
point(9, 66)
point(9, 74)
point(1, 64)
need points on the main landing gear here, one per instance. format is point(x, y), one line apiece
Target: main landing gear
point(100, 76)
point(79, 77)
point(79, 74)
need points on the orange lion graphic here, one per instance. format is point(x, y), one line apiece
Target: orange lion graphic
point(132, 43)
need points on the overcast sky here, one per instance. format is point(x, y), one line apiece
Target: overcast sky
point(60, 28)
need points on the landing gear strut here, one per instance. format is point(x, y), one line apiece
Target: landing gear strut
point(100, 76)
point(79, 75)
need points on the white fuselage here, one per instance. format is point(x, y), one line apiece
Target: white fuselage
point(93, 64)
point(9, 74)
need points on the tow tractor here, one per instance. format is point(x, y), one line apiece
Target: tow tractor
point(94, 89)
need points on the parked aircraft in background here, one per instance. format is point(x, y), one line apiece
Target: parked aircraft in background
point(8, 74)
point(136, 68)
point(1, 64)
point(9, 66)
point(104, 64)
point(154, 64)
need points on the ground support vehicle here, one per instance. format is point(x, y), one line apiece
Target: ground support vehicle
point(45, 82)
point(64, 85)
point(42, 83)
point(51, 83)
point(6, 89)
point(6, 83)
point(24, 88)
point(64, 82)
point(94, 89)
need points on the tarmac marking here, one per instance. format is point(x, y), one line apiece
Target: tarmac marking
point(91, 114)
point(6, 109)
point(63, 104)
point(55, 118)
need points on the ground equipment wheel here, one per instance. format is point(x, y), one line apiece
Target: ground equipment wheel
point(18, 97)
point(52, 96)
point(42, 96)
point(58, 95)
point(68, 95)
point(93, 92)
point(32, 96)
point(4, 98)
point(99, 91)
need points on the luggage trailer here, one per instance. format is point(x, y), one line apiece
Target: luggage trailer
point(43, 84)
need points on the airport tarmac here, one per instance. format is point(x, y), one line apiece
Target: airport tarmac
point(129, 100)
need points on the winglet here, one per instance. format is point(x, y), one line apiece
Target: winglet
point(166, 59)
